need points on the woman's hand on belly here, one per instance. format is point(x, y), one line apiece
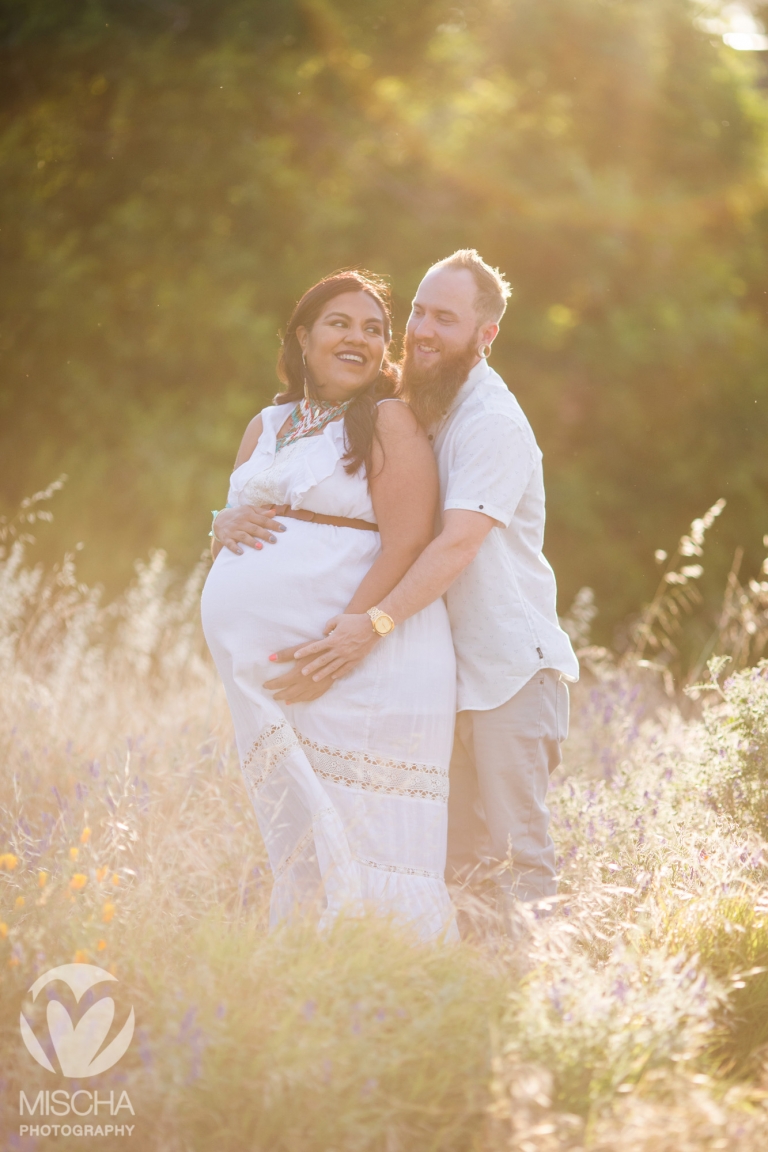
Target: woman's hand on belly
point(246, 525)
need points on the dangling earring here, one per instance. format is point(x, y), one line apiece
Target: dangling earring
point(484, 350)
point(307, 397)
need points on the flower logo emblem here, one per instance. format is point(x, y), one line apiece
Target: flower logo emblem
point(77, 1046)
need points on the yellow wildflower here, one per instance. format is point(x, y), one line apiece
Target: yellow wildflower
point(81, 956)
point(19, 901)
point(73, 853)
point(115, 878)
point(9, 861)
point(79, 880)
point(101, 945)
point(3, 929)
point(107, 912)
point(13, 961)
point(100, 874)
point(85, 835)
point(41, 879)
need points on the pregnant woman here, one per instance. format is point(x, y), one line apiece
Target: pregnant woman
point(333, 496)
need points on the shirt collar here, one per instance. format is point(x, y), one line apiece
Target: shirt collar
point(480, 372)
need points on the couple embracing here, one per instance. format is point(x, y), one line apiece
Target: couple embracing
point(383, 533)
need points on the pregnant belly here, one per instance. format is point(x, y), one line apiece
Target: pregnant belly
point(284, 593)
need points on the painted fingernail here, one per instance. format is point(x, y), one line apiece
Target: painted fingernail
point(239, 550)
point(281, 528)
point(273, 656)
point(273, 539)
point(259, 544)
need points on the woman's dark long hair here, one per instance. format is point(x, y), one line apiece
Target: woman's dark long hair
point(360, 417)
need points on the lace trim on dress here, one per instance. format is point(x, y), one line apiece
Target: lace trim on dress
point(266, 752)
point(270, 485)
point(376, 773)
point(340, 766)
point(400, 868)
point(296, 852)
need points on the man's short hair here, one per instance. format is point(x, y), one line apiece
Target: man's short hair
point(493, 289)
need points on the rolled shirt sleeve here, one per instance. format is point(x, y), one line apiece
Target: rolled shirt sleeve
point(491, 467)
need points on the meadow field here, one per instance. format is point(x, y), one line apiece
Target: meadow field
point(635, 1017)
point(173, 175)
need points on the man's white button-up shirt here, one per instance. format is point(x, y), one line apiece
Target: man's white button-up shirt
point(502, 607)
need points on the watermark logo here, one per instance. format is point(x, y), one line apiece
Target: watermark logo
point(77, 1046)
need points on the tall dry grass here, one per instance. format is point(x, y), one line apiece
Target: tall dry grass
point(632, 1018)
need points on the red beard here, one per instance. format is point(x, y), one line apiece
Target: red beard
point(430, 391)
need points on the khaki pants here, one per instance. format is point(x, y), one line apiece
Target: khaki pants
point(498, 820)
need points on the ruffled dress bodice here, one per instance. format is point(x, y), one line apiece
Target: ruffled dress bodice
point(309, 473)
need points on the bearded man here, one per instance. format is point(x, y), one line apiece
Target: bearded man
point(513, 659)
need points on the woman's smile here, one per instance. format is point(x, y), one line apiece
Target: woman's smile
point(351, 357)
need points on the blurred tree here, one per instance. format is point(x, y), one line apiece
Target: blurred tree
point(173, 175)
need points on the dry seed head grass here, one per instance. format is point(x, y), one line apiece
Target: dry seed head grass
point(607, 1024)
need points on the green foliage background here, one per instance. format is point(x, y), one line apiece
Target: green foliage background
point(173, 175)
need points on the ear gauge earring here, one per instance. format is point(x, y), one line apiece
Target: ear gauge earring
point(484, 350)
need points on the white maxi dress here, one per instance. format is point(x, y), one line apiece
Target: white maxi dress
point(350, 790)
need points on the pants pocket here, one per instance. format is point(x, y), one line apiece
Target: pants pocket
point(563, 708)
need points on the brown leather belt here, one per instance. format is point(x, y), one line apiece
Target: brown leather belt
point(320, 518)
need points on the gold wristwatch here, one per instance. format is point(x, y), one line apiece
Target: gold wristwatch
point(382, 624)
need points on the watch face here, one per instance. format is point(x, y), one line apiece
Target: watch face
point(383, 625)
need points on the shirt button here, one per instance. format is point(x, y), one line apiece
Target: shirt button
point(480, 505)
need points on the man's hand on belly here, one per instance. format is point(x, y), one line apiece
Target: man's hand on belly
point(349, 639)
point(292, 686)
